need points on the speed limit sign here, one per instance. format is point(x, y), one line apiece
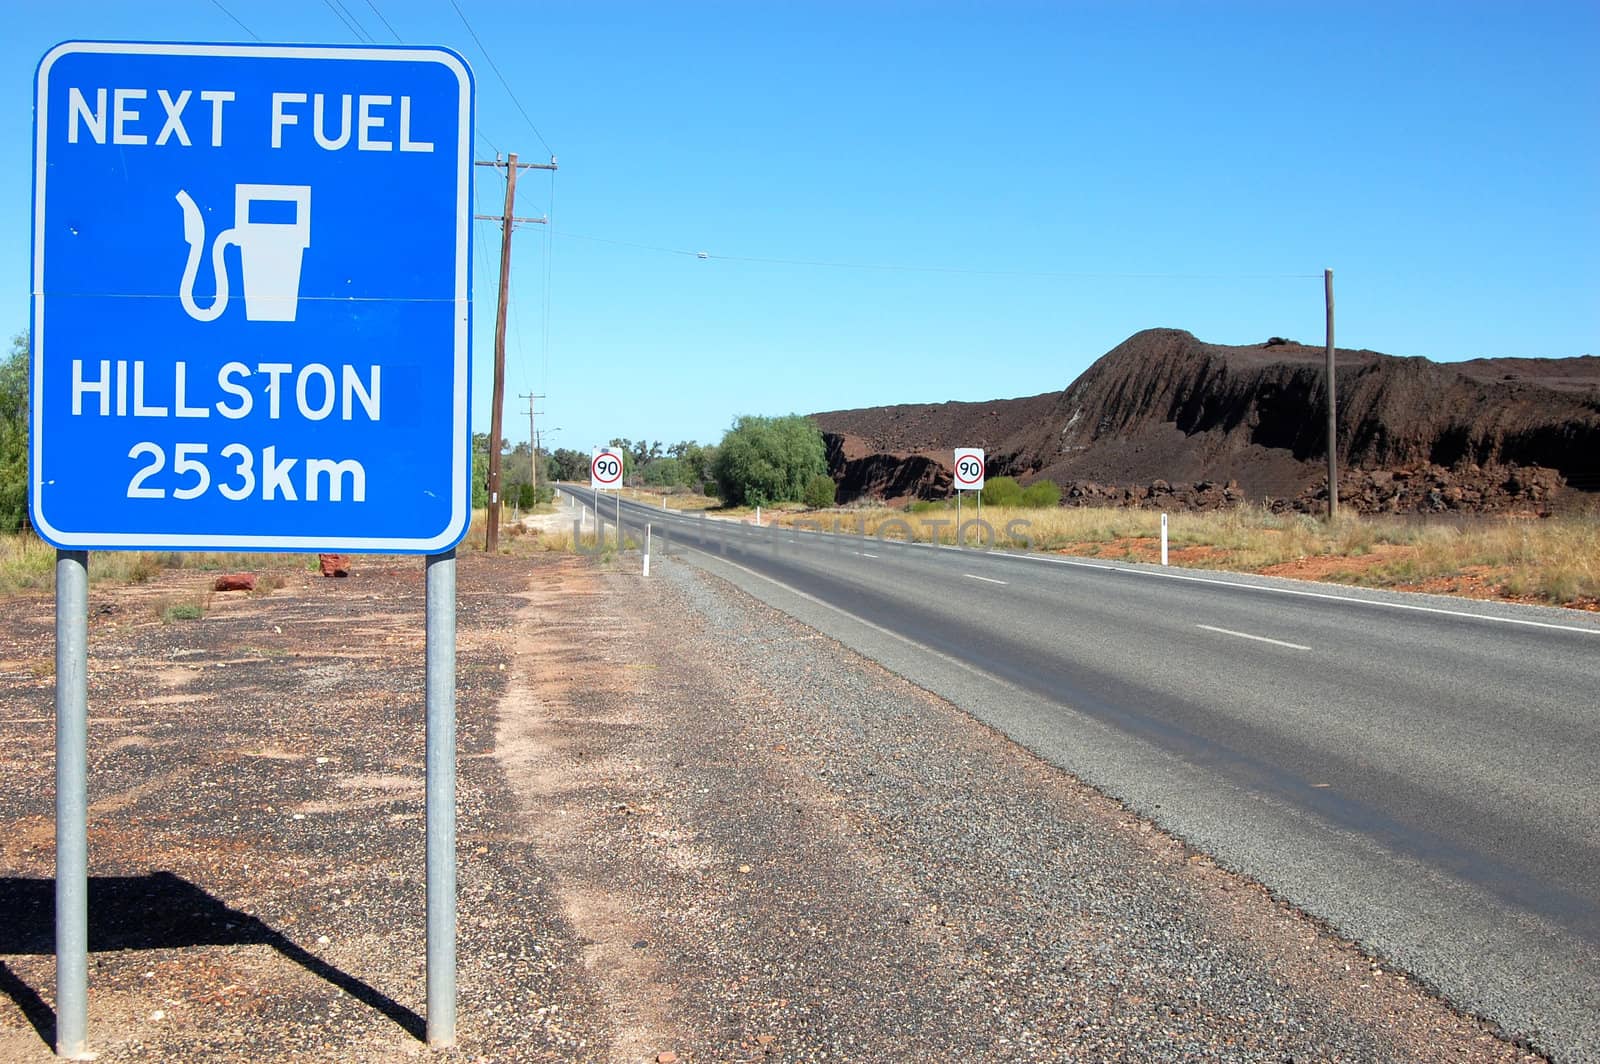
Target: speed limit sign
point(605, 469)
point(969, 469)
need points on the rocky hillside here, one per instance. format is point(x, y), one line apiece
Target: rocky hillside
point(1167, 419)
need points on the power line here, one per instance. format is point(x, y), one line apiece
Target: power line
point(911, 268)
point(385, 21)
point(341, 17)
point(352, 16)
point(496, 68)
point(491, 145)
point(230, 14)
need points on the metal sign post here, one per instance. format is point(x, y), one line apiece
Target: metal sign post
point(251, 331)
point(969, 473)
point(72, 828)
point(606, 465)
point(441, 797)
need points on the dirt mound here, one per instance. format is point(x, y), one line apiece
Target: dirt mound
point(1163, 406)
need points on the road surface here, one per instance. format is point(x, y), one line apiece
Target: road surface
point(1421, 772)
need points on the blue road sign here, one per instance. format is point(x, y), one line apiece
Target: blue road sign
point(251, 278)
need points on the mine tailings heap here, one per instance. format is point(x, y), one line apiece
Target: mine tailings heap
point(1165, 419)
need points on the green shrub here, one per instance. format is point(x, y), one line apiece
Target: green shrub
point(1002, 491)
point(1041, 495)
point(182, 611)
point(820, 492)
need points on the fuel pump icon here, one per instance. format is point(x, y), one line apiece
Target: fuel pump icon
point(270, 253)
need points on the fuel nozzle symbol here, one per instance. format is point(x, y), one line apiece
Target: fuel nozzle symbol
point(270, 252)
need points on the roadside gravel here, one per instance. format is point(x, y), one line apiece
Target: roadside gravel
point(256, 829)
point(805, 855)
point(689, 826)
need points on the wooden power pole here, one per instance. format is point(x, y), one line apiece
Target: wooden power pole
point(533, 441)
point(508, 222)
point(1333, 420)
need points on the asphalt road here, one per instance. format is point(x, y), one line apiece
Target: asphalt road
point(1421, 772)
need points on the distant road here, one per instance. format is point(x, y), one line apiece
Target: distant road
point(1423, 773)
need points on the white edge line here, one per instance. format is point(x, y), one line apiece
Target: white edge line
point(985, 579)
point(1348, 599)
point(880, 629)
point(1351, 600)
point(1257, 638)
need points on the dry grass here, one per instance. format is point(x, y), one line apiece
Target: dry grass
point(590, 543)
point(1555, 560)
point(27, 563)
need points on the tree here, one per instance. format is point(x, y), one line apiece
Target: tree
point(763, 460)
point(14, 437)
point(568, 464)
point(821, 492)
point(694, 464)
point(662, 473)
point(480, 470)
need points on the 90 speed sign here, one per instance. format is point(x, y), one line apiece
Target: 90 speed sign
point(605, 469)
point(969, 469)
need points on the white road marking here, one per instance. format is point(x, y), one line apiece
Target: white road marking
point(1257, 638)
point(880, 629)
point(1350, 600)
point(1347, 599)
point(985, 579)
point(864, 554)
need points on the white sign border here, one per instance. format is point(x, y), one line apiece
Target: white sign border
point(955, 476)
point(461, 509)
point(622, 468)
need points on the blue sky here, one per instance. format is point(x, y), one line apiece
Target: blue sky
point(1040, 180)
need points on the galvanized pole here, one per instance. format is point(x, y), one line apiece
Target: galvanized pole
point(619, 518)
point(72, 830)
point(1333, 421)
point(441, 797)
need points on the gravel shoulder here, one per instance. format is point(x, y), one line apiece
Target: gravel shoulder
point(688, 824)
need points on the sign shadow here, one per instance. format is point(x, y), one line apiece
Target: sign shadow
point(154, 911)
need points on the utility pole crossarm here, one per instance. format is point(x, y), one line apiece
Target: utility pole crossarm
point(511, 163)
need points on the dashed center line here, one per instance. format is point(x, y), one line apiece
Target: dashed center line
point(985, 579)
point(1257, 638)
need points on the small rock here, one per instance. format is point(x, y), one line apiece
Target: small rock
point(323, 940)
point(235, 582)
point(334, 564)
point(666, 1056)
point(161, 1015)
